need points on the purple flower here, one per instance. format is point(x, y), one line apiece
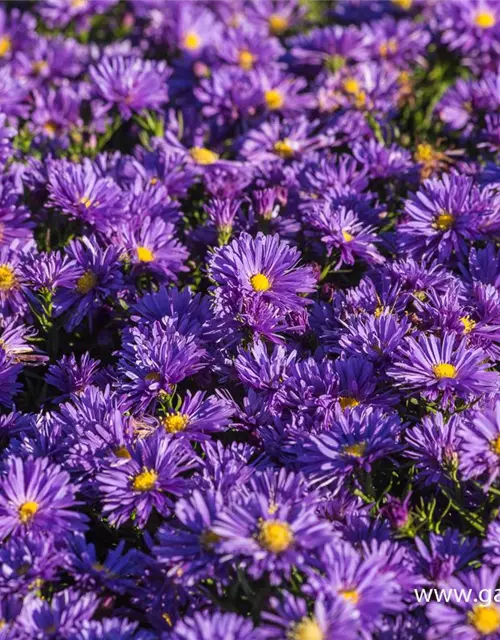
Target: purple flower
point(36, 495)
point(273, 529)
point(155, 358)
point(465, 618)
point(355, 440)
point(479, 448)
point(433, 446)
point(198, 417)
point(135, 486)
point(442, 368)
point(216, 626)
point(132, 84)
point(262, 267)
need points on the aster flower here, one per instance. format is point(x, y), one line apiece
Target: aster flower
point(330, 617)
point(442, 368)
point(57, 13)
point(342, 232)
point(110, 629)
point(355, 440)
point(81, 193)
point(72, 376)
point(151, 246)
point(479, 443)
point(154, 472)
point(271, 531)
point(434, 446)
point(185, 312)
point(130, 83)
point(245, 47)
point(198, 417)
point(42, 619)
point(36, 495)
point(372, 337)
point(216, 626)
point(99, 276)
point(262, 267)
point(188, 545)
point(28, 560)
point(154, 359)
point(361, 582)
point(445, 556)
point(468, 620)
point(441, 217)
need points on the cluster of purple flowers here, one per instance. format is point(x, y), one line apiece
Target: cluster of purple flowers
point(249, 319)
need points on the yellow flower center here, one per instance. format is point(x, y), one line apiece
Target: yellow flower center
point(485, 619)
point(274, 99)
point(275, 536)
point(209, 539)
point(86, 283)
point(444, 221)
point(122, 452)
point(191, 41)
point(348, 402)
point(495, 446)
point(483, 19)
point(424, 153)
point(283, 148)
point(7, 278)
point(350, 594)
point(175, 422)
point(391, 46)
point(355, 450)
point(50, 129)
point(39, 66)
point(78, 4)
point(306, 629)
point(145, 480)
point(152, 376)
point(246, 60)
point(203, 156)
point(277, 24)
point(87, 202)
point(145, 255)
point(351, 85)
point(403, 4)
point(5, 46)
point(468, 324)
point(347, 236)
point(27, 510)
point(260, 282)
point(444, 370)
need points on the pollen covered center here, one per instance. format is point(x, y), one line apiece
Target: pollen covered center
point(27, 511)
point(7, 278)
point(346, 402)
point(444, 221)
point(145, 255)
point(86, 283)
point(277, 24)
point(260, 282)
point(485, 619)
point(355, 450)
point(284, 149)
point(175, 422)
point(485, 19)
point(145, 481)
point(444, 370)
point(347, 236)
point(350, 594)
point(5, 46)
point(274, 99)
point(275, 536)
point(191, 41)
point(306, 629)
point(203, 156)
point(246, 60)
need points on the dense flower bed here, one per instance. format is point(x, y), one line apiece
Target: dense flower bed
point(249, 319)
